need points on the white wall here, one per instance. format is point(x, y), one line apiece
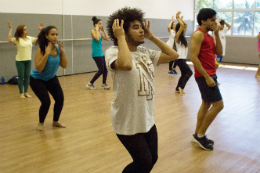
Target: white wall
point(159, 9)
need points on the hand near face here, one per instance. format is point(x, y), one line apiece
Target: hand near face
point(40, 26)
point(147, 32)
point(10, 25)
point(214, 26)
point(60, 45)
point(48, 48)
point(96, 27)
point(118, 29)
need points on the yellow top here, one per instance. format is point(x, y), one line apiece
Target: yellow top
point(24, 48)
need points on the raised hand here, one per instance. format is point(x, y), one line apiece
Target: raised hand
point(214, 26)
point(40, 26)
point(118, 30)
point(218, 20)
point(102, 28)
point(48, 48)
point(172, 18)
point(96, 27)
point(60, 45)
point(182, 17)
point(147, 32)
point(10, 25)
point(178, 14)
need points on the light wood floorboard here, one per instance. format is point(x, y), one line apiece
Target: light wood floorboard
point(89, 145)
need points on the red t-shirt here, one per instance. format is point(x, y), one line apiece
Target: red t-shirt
point(207, 55)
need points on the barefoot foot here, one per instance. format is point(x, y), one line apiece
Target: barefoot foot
point(181, 91)
point(58, 124)
point(27, 95)
point(39, 127)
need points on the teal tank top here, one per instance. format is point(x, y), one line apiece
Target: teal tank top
point(50, 69)
point(97, 48)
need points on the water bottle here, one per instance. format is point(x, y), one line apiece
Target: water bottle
point(3, 80)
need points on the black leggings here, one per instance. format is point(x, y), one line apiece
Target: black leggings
point(41, 88)
point(102, 69)
point(143, 147)
point(170, 65)
point(186, 73)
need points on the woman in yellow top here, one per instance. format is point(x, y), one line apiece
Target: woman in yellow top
point(23, 57)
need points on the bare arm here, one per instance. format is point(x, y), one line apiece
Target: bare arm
point(168, 54)
point(185, 24)
point(258, 36)
point(104, 35)
point(170, 24)
point(181, 26)
point(195, 45)
point(228, 25)
point(40, 27)
point(63, 59)
point(10, 38)
point(40, 60)
point(124, 59)
point(95, 33)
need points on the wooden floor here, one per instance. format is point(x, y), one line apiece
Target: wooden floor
point(88, 144)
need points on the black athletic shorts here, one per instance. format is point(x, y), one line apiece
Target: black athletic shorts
point(208, 94)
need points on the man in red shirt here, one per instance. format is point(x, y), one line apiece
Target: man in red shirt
point(203, 50)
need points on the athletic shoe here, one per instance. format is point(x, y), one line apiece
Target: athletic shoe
point(211, 142)
point(203, 142)
point(173, 72)
point(105, 87)
point(91, 86)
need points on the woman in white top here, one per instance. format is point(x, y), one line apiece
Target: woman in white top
point(23, 43)
point(170, 42)
point(182, 50)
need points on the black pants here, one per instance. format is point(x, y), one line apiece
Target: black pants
point(186, 73)
point(170, 65)
point(143, 147)
point(102, 69)
point(41, 88)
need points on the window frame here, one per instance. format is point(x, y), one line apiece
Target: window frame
point(233, 10)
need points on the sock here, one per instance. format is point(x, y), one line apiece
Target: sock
point(200, 136)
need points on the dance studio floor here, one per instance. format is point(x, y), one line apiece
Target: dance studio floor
point(88, 144)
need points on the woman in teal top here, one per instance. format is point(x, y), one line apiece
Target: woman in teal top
point(97, 53)
point(43, 78)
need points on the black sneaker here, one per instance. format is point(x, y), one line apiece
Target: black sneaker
point(203, 142)
point(211, 142)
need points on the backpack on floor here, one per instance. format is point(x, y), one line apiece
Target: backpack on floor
point(13, 80)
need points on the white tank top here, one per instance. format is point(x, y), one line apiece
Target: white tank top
point(182, 51)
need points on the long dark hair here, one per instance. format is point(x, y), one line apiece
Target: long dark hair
point(19, 32)
point(95, 20)
point(42, 40)
point(182, 38)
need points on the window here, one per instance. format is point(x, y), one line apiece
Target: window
point(257, 23)
point(223, 4)
point(227, 17)
point(242, 15)
point(243, 23)
point(244, 4)
point(203, 4)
